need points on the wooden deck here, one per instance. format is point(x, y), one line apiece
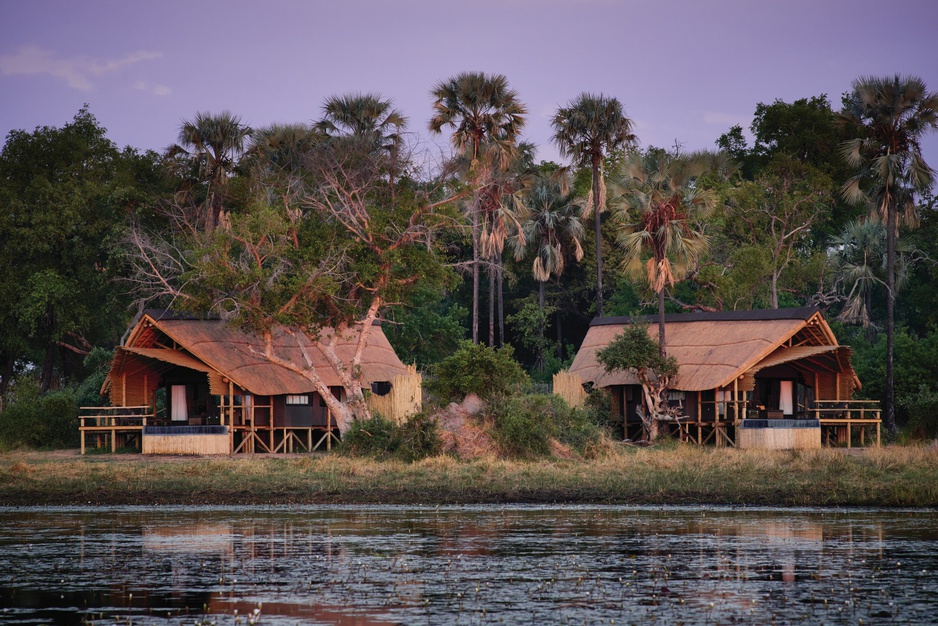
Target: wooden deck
point(114, 426)
point(841, 422)
point(122, 426)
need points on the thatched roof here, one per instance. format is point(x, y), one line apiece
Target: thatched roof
point(713, 349)
point(223, 353)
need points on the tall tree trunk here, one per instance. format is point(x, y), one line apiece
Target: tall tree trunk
point(774, 294)
point(559, 337)
point(491, 304)
point(891, 218)
point(599, 237)
point(48, 367)
point(475, 269)
point(661, 346)
point(501, 301)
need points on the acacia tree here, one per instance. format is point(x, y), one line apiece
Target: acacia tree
point(892, 115)
point(636, 352)
point(587, 130)
point(486, 116)
point(324, 265)
point(656, 212)
point(774, 216)
point(207, 150)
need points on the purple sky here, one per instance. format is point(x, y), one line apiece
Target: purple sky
point(685, 70)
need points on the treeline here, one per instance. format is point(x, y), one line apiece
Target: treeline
point(307, 225)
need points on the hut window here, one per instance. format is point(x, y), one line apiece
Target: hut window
point(675, 395)
point(298, 399)
point(382, 388)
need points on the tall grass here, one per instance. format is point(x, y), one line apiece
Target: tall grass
point(678, 474)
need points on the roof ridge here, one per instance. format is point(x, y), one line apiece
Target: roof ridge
point(802, 313)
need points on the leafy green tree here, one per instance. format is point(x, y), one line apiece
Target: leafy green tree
point(656, 213)
point(587, 130)
point(893, 114)
point(426, 328)
point(207, 151)
point(64, 195)
point(476, 368)
point(327, 265)
point(803, 130)
point(486, 116)
point(636, 352)
point(773, 217)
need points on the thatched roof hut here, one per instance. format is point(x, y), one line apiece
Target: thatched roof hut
point(715, 349)
point(161, 341)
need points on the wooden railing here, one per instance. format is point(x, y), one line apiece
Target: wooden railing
point(118, 426)
point(842, 419)
point(843, 416)
point(124, 423)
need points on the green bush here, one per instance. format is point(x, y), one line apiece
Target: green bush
point(39, 421)
point(477, 369)
point(372, 437)
point(598, 409)
point(417, 438)
point(923, 414)
point(520, 429)
point(524, 425)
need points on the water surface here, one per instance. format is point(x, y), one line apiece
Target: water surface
point(466, 565)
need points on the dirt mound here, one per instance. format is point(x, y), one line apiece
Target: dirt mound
point(464, 431)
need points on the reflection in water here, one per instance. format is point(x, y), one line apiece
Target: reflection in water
point(392, 565)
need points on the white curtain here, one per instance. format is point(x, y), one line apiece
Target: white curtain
point(786, 398)
point(180, 410)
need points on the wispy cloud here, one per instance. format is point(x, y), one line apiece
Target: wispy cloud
point(78, 71)
point(156, 90)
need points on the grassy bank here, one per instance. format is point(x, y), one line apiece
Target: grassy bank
point(891, 476)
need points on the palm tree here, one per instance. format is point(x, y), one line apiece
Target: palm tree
point(656, 211)
point(892, 115)
point(212, 145)
point(860, 259)
point(553, 229)
point(365, 116)
point(587, 130)
point(486, 117)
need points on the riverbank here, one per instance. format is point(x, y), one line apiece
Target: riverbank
point(893, 476)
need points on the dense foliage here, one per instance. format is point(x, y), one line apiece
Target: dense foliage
point(416, 438)
point(339, 221)
point(479, 369)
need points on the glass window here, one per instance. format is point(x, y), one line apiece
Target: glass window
point(298, 399)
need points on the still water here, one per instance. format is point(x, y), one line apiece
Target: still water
point(467, 565)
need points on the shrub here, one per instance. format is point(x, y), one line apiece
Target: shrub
point(39, 421)
point(520, 429)
point(417, 438)
point(476, 369)
point(598, 409)
point(372, 437)
point(524, 425)
point(923, 414)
